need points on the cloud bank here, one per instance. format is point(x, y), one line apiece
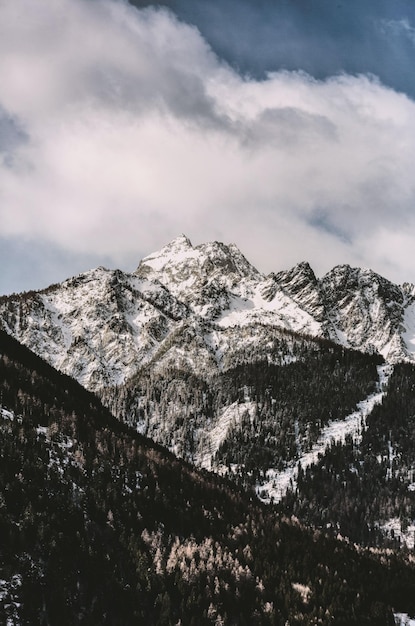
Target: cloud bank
point(120, 128)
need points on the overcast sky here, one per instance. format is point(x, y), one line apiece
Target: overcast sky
point(286, 127)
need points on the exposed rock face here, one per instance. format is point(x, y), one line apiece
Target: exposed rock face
point(202, 308)
point(366, 311)
point(204, 277)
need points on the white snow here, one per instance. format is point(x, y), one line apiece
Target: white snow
point(280, 311)
point(403, 619)
point(303, 590)
point(393, 528)
point(177, 251)
point(409, 324)
point(102, 326)
point(278, 483)
point(7, 415)
point(216, 434)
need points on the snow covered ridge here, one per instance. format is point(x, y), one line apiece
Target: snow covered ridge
point(197, 306)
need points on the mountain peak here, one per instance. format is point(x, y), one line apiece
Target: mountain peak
point(177, 251)
point(176, 245)
point(180, 260)
point(352, 278)
point(204, 277)
point(181, 241)
point(304, 268)
point(297, 278)
point(301, 284)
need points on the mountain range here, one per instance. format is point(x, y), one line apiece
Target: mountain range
point(205, 311)
point(297, 390)
point(102, 326)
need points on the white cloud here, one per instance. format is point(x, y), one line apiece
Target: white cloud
point(131, 131)
point(398, 28)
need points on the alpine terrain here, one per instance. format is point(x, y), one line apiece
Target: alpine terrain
point(297, 393)
point(99, 525)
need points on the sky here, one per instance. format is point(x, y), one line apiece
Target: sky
point(286, 127)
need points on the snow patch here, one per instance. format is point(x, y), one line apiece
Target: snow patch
point(409, 324)
point(280, 311)
point(6, 415)
point(214, 436)
point(277, 483)
point(403, 619)
point(303, 590)
point(393, 529)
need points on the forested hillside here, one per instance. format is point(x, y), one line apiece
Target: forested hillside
point(361, 489)
point(251, 416)
point(100, 526)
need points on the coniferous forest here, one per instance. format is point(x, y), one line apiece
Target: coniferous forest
point(101, 526)
point(353, 488)
point(291, 401)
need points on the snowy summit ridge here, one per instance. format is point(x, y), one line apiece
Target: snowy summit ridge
point(202, 307)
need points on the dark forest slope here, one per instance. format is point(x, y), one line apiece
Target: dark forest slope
point(358, 489)
point(100, 526)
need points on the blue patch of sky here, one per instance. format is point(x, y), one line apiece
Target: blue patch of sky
point(32, 265)
point(321, 37)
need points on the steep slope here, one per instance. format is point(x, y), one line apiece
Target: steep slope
point(368, 312)
point(98, 525)
point(97, 327)
point(365, 487)
point(304, 288)
point(353, 428)
point(253, 416)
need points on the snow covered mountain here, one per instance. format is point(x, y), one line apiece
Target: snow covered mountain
point(233, 370)
point(204, 308)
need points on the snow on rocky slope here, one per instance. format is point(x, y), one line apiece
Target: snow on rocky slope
point(198, 306)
